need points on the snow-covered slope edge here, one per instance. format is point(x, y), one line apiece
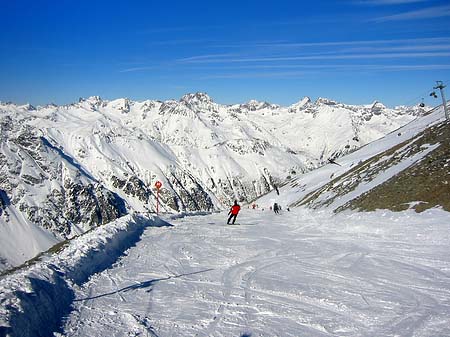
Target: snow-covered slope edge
point(415, 173)
point(35, 299)
point(406, 168)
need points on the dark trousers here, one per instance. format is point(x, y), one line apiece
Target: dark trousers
point(232, 216)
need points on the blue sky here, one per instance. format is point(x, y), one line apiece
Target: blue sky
point(354, 51)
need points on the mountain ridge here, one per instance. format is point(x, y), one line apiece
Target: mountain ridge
point(206, 154)
point(406, 169)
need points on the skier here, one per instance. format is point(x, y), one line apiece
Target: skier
point(233, 212)
point(276, 208)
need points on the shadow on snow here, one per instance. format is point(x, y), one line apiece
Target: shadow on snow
point(4, 201)
point(142, 285)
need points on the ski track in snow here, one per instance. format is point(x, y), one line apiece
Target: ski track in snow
point(296, 274)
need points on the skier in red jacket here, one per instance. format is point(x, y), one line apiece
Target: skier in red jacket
point(233, 212)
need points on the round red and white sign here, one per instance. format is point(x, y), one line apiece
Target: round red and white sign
point(158, 184)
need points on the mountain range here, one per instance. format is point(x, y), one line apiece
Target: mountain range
point(66, 169)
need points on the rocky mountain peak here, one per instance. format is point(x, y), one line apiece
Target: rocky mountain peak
point(90, 99)
point(91, 103)
point(325, 101)
point(28, 107)
point(305, 101)
point(198, 98)
point(94, 99)
point(377, 105)
point(254, 105)
point(191, 104)
point(121, 104)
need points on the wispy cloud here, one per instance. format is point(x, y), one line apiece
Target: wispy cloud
point(336, 67)
point(248, 75)
point(317, 57)
point(322, 69)
point(286, 52)
point(175, 29)
point(420, 14)
point(135, 69)
point(286, 44)
point(412, 67)
point(387, 2)
point(282, 56)
point(207, 57)
point(409, 48)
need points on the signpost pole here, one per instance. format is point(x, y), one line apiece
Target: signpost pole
point(158, 185)
point(157, 201)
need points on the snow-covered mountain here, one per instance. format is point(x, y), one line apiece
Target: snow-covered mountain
point(45, 196)
point(67, 168)
point(408, 168)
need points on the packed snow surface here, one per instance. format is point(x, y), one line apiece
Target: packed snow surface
point(299, 273)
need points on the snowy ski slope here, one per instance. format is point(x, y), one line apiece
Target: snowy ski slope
point(300, 273)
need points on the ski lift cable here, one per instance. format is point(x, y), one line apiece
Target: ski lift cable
point(415, 99)
point(421, 96)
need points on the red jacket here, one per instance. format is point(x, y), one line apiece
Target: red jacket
point(235, 209)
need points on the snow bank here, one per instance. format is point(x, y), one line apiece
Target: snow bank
point(35, 300)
